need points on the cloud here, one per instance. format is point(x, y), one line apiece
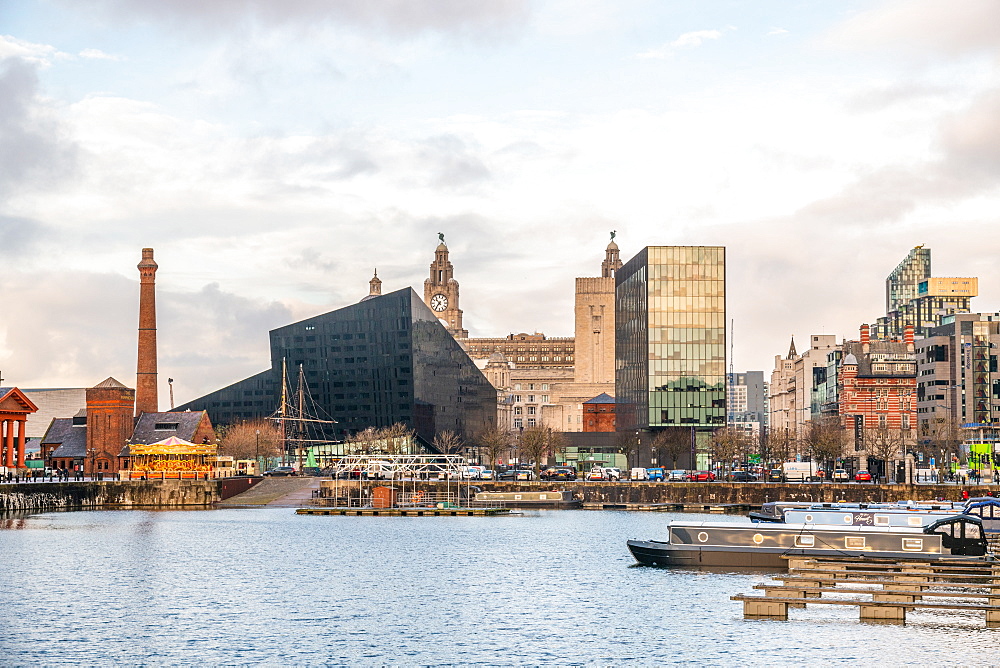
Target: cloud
point(35, 151)
point(97, 54)
point(921, 26)
point(400, 18)
point(776, 31)
point(451, 163)
point(971, 140)
point(688, 40)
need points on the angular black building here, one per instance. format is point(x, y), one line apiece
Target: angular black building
point(384, 360)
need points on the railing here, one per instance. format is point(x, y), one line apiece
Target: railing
point(174, 475)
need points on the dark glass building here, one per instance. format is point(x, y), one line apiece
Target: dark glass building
point(384, 360)
point(670, 342)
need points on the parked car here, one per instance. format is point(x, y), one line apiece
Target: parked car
point(862, 476)
point(638, 474)
point(524, 474)
point(776, 475)
point(558, 473)
point(280, 471)
point(655, 474)
point(677, 475)
point(701, 476)
point(311, 470)
point(840, 474)
point(612, 473)
point(487, 474)
point(739, 475)
point(596, 473)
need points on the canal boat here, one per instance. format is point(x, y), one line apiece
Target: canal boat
point(901, 514)
point(766, 545)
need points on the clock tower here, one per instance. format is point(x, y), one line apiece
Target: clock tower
point(441, 292)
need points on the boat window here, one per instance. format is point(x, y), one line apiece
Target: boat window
point(944, 529)
point(848, 519)
point(809, 518)
point(913, 544)
point(971, 530)
point(914, 521)
point(882, 520)
point(805, 541)
point(854, 542)
point(758, 538)
point(702, 536)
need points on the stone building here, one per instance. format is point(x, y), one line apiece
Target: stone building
point(441, 292)
point(790, 395)
point(15, 407)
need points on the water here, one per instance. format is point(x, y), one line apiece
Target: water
point(265, 586)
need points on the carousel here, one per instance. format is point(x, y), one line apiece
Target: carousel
point(174, 458)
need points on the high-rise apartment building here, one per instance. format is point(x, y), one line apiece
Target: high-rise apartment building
point(746, 402)
point(670, 344)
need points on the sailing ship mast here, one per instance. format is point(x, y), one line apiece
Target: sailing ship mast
point(295, 415)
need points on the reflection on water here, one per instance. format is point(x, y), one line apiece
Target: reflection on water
point(267, 586)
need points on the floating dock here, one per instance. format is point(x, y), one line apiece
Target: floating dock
point(406, 512)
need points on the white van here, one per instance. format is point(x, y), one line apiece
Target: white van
point(638, 474)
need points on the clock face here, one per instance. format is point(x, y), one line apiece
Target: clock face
point(439, 302)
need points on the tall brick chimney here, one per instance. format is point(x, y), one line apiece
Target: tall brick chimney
point(908, 338)
point(145, 382)
point(864, 339)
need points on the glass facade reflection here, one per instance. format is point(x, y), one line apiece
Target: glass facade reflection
point(372, 364)
point(670, 342)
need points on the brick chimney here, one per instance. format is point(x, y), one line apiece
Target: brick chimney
point(908, 338)
point(145, 382)
point(864, 339)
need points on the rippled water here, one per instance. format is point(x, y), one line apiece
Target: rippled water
point(266, 586)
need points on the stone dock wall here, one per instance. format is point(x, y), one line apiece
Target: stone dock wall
point(123, 494)
point(720, 493)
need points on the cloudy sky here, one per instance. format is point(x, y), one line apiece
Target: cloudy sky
point(275, 153)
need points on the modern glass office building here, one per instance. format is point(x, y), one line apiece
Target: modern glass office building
point(670, 340)
point(384, 360)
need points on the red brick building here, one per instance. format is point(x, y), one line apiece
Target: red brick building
point(599, 413)
point(877, 383)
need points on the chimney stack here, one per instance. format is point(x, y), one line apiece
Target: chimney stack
point(145, 382)
point(864, 339)
point(908, 338)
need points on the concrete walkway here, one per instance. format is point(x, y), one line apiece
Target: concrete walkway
point(290, 492)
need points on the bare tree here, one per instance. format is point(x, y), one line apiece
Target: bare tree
point(249, 440)
point(671, 443)
point(728, 446)
point(557, 443)
point(886, 445)
point(945, 438)
point(626, 442)
point(398, 439)
point(533, 445)
point(825, 439)
point(447, 442)
point(494, 442)
point(780, 444)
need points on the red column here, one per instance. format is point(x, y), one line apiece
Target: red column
point(8, 444)
point(21, 425)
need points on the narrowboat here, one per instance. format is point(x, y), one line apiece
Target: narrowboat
point(764, 545)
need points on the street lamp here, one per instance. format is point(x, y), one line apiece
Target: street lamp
point(257, 452)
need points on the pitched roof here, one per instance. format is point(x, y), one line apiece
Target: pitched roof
point(73, 438)
point(186, 422)
point(602, 398)
point(110, 382)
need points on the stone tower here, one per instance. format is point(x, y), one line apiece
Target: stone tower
point(595, 322)
point(145, 383)
point(441, 292)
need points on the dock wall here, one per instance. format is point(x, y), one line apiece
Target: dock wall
point(720, 493)
point(123, 494)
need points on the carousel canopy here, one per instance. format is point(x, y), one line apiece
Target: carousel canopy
point(172, 446)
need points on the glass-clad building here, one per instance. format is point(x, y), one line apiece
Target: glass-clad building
point(670, 341)
point(384, 360)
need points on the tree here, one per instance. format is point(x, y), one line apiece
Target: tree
point(780, 445)
point(671, 443)
point(534, 444)
point(626, 442)
point(447, 442)
point(252, 439)
point(398, 439)
point(494, 442)
point(945, 438)
point(886, 445)
point(825, 439)
point(728, 445)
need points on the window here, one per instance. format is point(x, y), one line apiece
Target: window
point(517, 410)
point(913, 544)
point(531, 410)
point(517, 386)
point(531, 422)
point(805, 541)
point(517, 398)
point(531, 398)
point(166, 426)
point(854, 542)
point(518, 423)
point(545, 398)
point(545, 386)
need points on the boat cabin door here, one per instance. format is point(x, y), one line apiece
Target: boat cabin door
point(961, 534)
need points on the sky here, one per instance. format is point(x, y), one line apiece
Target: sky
point(274, 154)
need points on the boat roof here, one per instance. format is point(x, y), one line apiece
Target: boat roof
point(805, 528)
